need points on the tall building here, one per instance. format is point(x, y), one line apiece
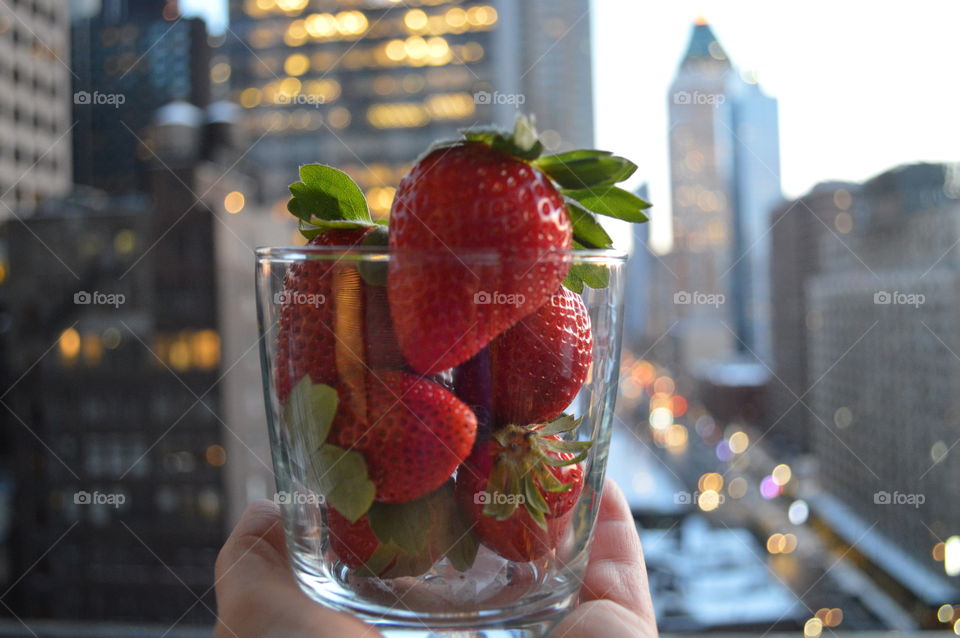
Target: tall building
point(636, 298)
point(35, 118)
point(725, 177)
point(798, 228)
point(368, 86)
point(129, 58)
point(882, 349)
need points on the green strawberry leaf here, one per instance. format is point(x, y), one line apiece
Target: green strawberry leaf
point(341, 476)
point(586, 228)
point(579, 448)
point(610, 201)
point(573, 282)
point(561, 424)
point(309, 412)
point(314, 227)
point(406, 564)
point(325, 194)
point(522, 143)
point(407, 525)
point(549, 482)
point(465, 545)
point(585, 168)
point(416, 534)
point(374, 272)
point(593, 275)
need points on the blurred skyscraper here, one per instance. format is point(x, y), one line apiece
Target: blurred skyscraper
point(725, 177)
point(35, 113)
point(798, 230)
point(637, 295)
point(129, 58)
point(368, 87)
point(884, 366)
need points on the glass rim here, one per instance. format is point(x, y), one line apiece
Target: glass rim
point(379, 253)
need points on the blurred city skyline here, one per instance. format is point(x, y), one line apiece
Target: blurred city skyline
point(846, 66)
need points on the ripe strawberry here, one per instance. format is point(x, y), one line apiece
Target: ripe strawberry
point(540, 363)
point(457, 202)
point(414, 437)
point(306, 343)
point(519, 488)
point(353, 543)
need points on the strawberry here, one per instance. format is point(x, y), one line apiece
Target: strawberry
point(353, 543)
point(539, 364)
point(306, 343)
point(479, 233)
point(466, 198)
point(415, 435)
point(520, 487)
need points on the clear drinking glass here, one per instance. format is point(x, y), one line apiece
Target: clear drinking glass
point(459, 585)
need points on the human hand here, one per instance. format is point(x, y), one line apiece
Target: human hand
point(257, 595)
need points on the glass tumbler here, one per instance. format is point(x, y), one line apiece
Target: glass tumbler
point(439, 425)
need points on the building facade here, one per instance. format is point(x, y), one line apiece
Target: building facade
point(129, 59)
point(368, 86)
point(798, 228)
point(882, 350)
point(35, 117)
point(725, 177)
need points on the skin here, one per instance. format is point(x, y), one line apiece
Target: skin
point(257, 595)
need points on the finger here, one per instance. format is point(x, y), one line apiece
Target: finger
point(257, 594)
point(616, 571)
point(603, 618)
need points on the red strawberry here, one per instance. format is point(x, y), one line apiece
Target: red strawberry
point(306, 343)
point(540, 363)
point(331, 317)
point(457, 202)
point(353, 543)
point(415, 435)
point(519, 489)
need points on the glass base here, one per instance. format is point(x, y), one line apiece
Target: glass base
point(534, 619)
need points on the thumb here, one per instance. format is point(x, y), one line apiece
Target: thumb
point(257, 595)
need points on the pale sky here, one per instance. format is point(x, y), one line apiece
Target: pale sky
point(862, 86)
